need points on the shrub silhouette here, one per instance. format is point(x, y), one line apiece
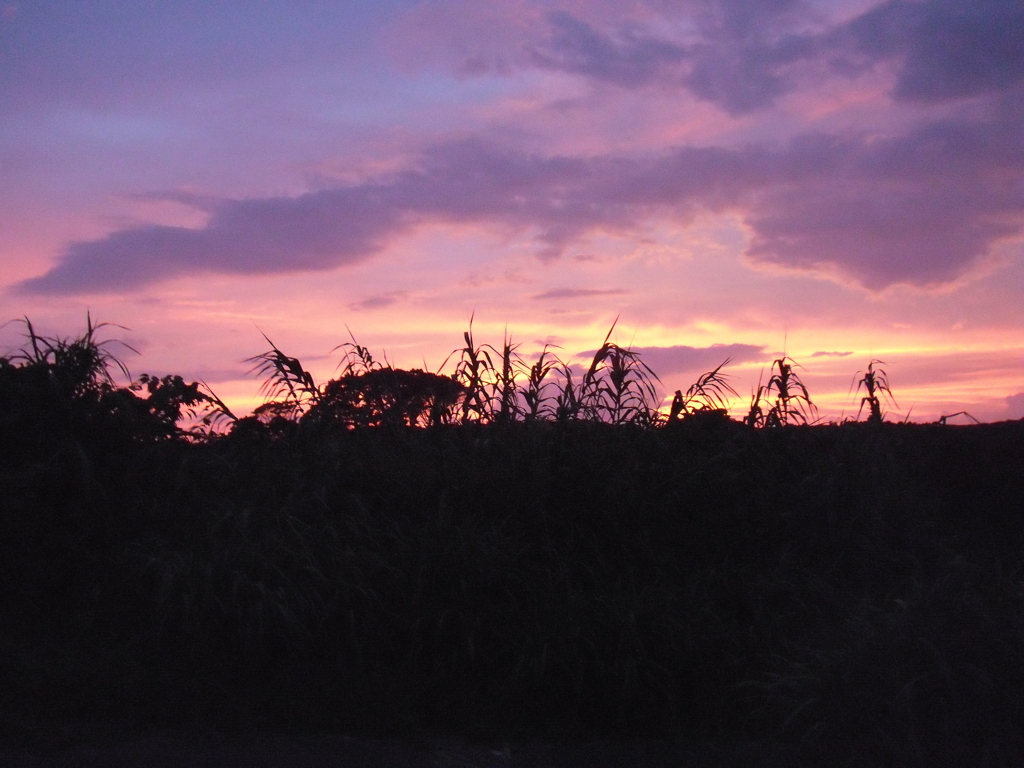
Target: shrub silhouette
point(488, 386)
point(367, 394)
point(386, 397)
point(63, 388)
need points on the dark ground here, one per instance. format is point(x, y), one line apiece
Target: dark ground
point(107, 746)
point(714, 596)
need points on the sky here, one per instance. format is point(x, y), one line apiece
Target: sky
point(836, 181)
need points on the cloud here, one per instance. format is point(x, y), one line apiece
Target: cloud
point(738, 60)
point(945, 49)
point(921, 208)
point(744, 79)
point(737, 54)
point(1015, 406)
point(743, 54)
point(831, 354)
point(316, 231)
point(577, 293)
point(683, 359)
point(376, 302)
point(734, 53)
point(454, 183)
point(631, 60)
point(743, 59)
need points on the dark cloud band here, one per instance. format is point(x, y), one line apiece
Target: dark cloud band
point(684, 359)
point(743, 56)
point(921, 208)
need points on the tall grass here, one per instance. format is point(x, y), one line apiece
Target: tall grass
point(488, 385)
point(708, 394)
point(285, 381)
point(783, 400)
point(875, 383)
point(617, 387)
point(79, 366)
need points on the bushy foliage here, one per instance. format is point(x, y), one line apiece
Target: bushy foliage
point(63, 388)
point(387, 397)
point(68, 384)
point(489, 386)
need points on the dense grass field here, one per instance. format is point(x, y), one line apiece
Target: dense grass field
point(849, 589)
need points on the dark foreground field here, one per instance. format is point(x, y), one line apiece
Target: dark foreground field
point(841, 594)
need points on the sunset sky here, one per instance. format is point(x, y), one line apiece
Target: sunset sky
point(837, 181)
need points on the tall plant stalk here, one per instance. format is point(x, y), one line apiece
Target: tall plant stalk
point(875, 383)
point(791, 404)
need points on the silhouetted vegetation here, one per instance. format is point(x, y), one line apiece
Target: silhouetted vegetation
point(518, 550)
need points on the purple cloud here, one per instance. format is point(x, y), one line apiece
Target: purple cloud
point(684, 359)
point(458, 182)
point(946, 49)
point(831, 354)
point(632, 59)
point(742, 60)
point(1015, 406)
point(736, 62)
point(918, 209)
point(375, 302)
point(743, 55)
point(577, 293)
point(744, 79)
point(921, 208)
point(315, 231)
